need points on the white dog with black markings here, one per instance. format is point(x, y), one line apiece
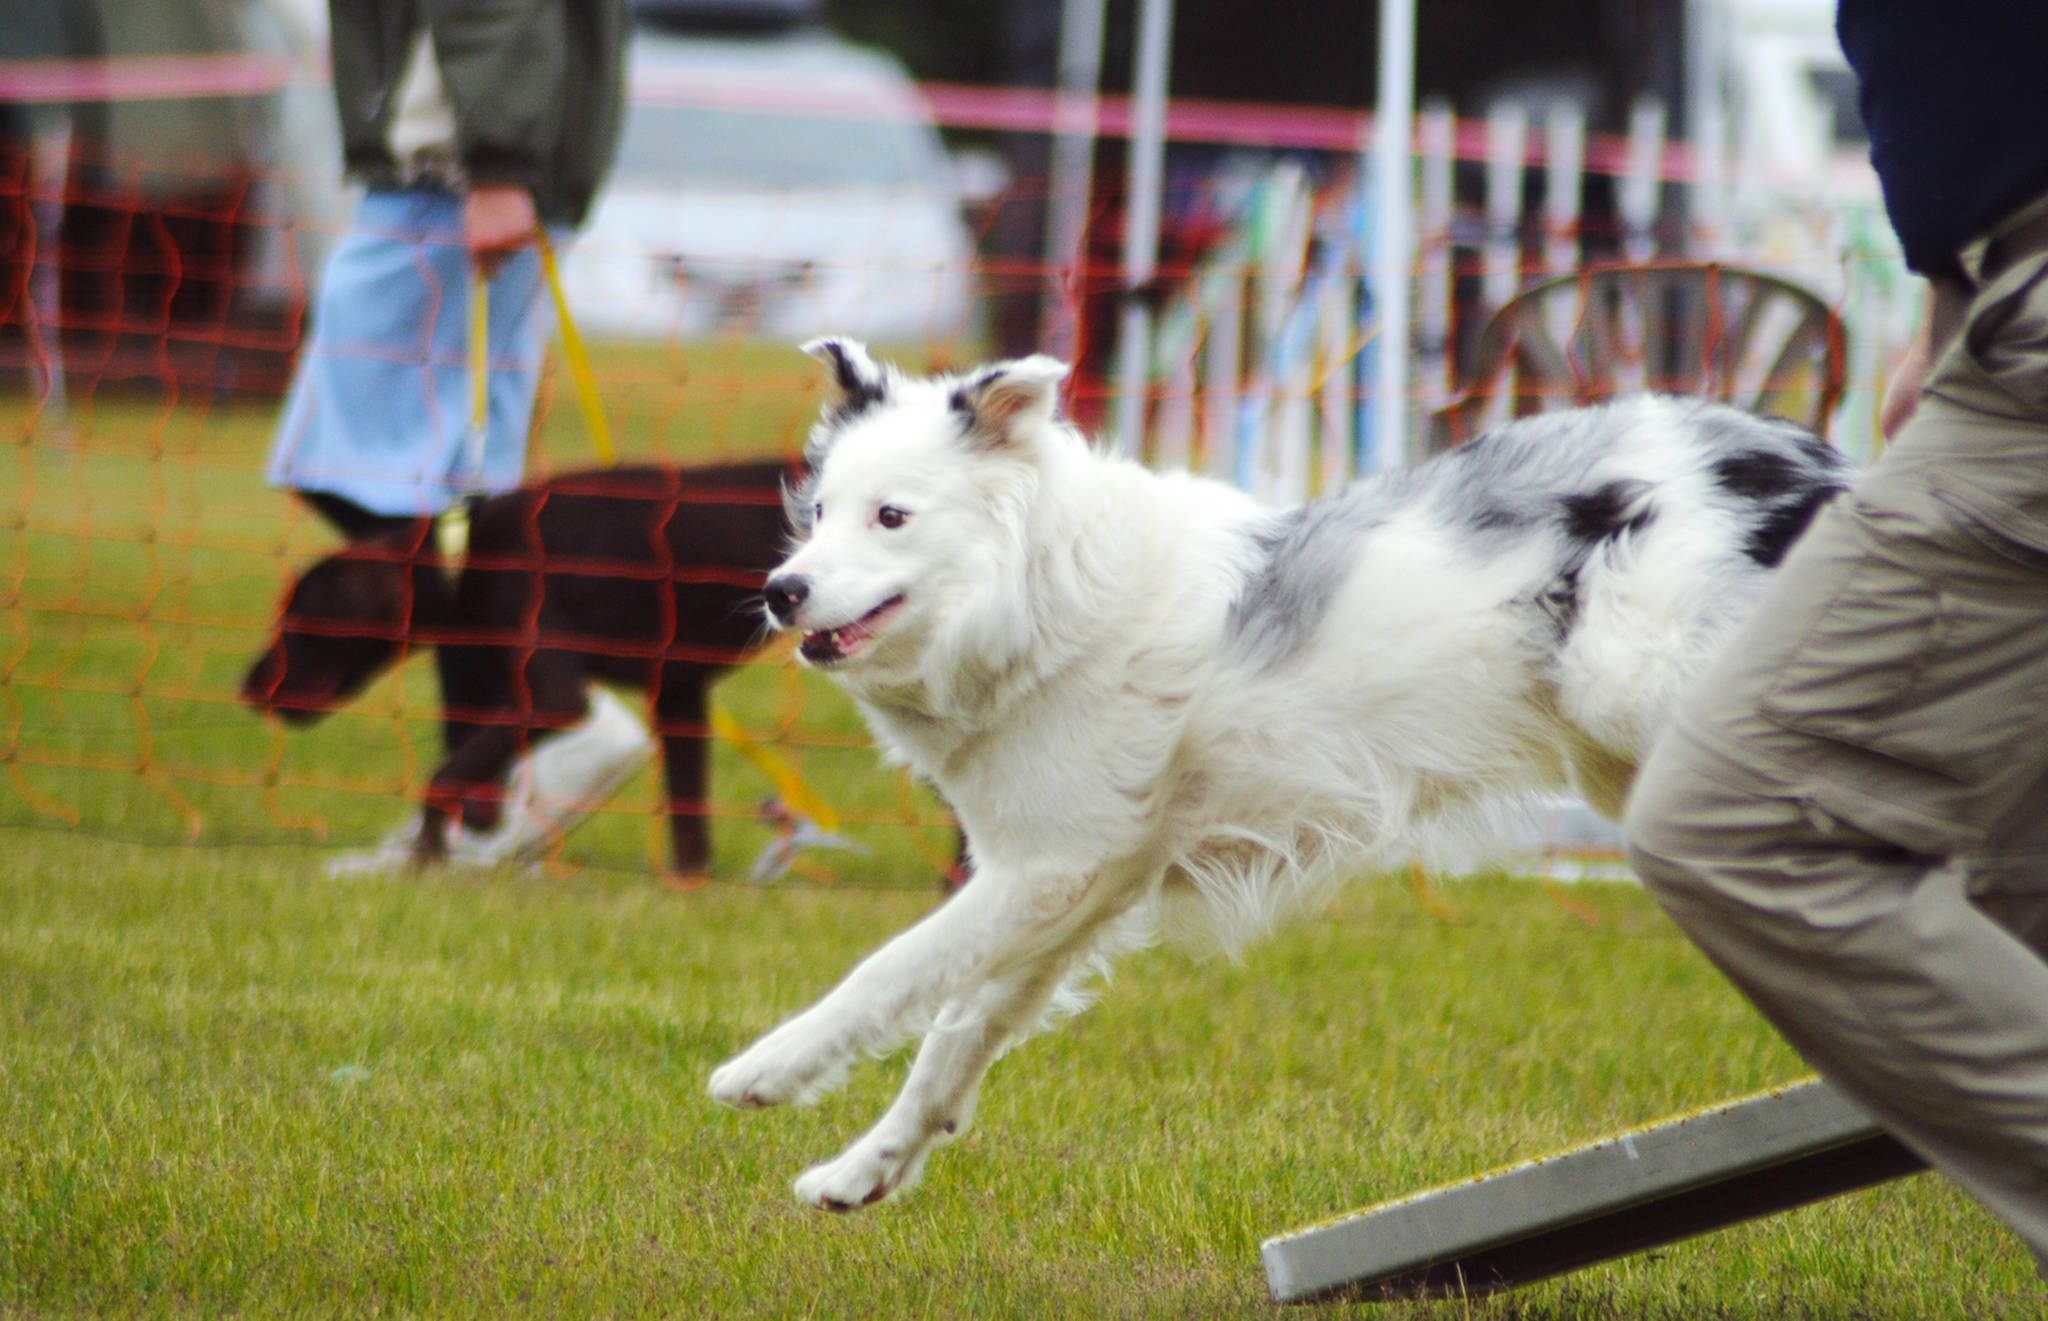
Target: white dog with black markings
point(1135, 686)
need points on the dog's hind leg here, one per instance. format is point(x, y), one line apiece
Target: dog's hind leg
point(683, 714)
point(938, 1098)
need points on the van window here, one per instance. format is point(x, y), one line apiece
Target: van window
point(750, 149)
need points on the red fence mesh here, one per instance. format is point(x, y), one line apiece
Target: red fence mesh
point(152, 302)
point(142, 557)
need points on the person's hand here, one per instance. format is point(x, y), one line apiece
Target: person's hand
point(1908, 376)
point(497, 221)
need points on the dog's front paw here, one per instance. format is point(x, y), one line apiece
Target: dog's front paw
point(862, 1175)
point(783, 1068)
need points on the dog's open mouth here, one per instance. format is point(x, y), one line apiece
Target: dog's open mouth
point(830, 646)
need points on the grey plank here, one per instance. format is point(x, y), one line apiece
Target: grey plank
point(1657, 1184)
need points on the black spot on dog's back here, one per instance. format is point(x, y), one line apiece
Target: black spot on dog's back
point(1757, 474)
point(1773, 536)
point(1608, 510)
point(1812, 446)
point(1305, 554)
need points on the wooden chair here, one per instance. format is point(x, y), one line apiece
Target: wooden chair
point(1750, 339)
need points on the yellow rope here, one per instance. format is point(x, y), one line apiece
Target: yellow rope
point(578, 358)
point(451, 529)
point(797, 795)
point(479, 352)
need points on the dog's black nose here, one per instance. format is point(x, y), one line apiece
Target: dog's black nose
point(786, 593)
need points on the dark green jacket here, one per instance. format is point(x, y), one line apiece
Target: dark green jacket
point(537, 86)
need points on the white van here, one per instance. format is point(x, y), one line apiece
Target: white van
point(780, 186)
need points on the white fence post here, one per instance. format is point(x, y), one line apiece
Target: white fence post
point(1643, 180)
point(1564, 163)
point(1641, 190)
point(1437, 135)
point(1076, 116)
point(1222, 364)
point(1564, 153)
point(1507, 154)
point(1393, 263)
point(1141, 223)
point(1335, 362)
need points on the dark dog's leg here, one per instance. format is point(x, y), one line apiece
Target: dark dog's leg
point(554, 698)
point(473, 681)
point(469, 786)
point(682, 708)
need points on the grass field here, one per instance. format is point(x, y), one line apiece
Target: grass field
point(231, 1086)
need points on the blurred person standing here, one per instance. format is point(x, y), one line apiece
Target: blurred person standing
point(472, 123)
point(1850, 814)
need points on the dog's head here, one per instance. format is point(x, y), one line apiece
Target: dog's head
point(915, 503)
point(342, 623)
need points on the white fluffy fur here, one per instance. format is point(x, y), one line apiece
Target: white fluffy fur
point(1064, 667)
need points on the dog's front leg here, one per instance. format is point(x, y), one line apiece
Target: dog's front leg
point(468, 786)
point(937, 1101)
point(989, 929)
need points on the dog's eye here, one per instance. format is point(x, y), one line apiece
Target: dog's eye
point(889, 516)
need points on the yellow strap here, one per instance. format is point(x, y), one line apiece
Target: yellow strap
point(479, 352)
point(578, 358)
point(451, 538)
point(796, 795)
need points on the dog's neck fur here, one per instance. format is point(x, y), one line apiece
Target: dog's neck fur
point(1064, 619)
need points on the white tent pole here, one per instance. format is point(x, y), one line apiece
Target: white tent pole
point(1707, 124)
point(1075, 124)
point(1393, 257)
point(49, 159)
point(1141, 220)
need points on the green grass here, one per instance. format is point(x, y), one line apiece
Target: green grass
point(230, 1086)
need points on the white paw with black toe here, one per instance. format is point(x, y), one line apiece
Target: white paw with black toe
point(782, 1068)
point(863, 1174)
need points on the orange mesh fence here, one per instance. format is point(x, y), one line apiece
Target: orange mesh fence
point(153, 299)
point(143, 559)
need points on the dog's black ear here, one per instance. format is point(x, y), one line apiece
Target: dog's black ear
point(1008, 400)
point(859, 382)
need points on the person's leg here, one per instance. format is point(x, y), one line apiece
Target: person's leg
point(350, 519)
point(550, 789)
point(1870, 961)
point(1882, 719)
point(380, 409)
point(2008, 878)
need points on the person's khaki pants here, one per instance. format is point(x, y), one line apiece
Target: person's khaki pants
point(1850, 816)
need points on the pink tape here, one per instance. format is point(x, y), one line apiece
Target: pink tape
point(143, 77)
point(954, 105)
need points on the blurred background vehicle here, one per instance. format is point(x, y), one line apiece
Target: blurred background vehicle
point(775, 181)
point(169, 174)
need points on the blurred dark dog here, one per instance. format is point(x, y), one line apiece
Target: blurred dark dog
point(642, 576)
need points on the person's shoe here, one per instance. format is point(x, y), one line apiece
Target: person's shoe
point(390, 854)
point(547, 793)
point(554, 787)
